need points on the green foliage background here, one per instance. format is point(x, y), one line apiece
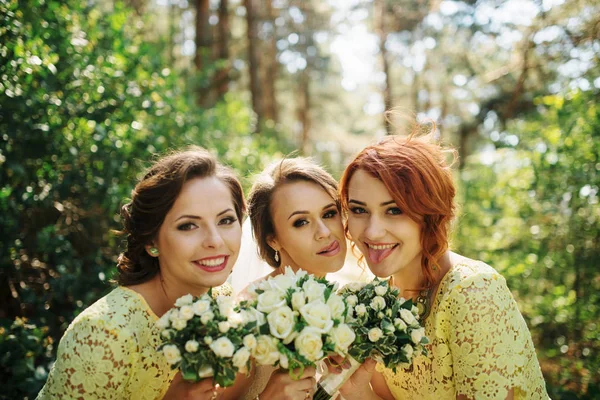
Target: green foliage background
point(86, 99)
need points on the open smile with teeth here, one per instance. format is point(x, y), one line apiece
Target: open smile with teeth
point(213, 262)
point(379, 252)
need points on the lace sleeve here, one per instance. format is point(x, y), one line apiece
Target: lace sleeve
point(489, 339)
point(94, 361)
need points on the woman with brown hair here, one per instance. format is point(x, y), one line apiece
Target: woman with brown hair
point(399, 196)
point(295, 214)
point(183, 227)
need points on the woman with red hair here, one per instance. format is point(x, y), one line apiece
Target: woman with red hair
point(399, 196)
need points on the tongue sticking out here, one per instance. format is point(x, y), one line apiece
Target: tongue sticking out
point(377, 256)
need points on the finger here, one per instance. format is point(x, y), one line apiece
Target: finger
point(308, 372)
point(370, 365)
point(332, 367)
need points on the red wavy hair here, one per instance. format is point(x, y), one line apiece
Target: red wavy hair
point(415, 172)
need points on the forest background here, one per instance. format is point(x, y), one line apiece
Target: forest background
point(90, 90)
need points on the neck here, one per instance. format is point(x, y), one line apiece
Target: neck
point(411, 279)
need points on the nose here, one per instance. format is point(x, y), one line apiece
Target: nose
point(375, 229)
point(212, 239)
point(323, 230)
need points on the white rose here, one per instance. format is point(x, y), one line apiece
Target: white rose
point(264, 285)
point(336, 305)
point(318, 315)
point(270, 300)
point(208, 340)
point(408, 351)
point(408, 317)
point(415, 311)
point(400, 324)
point(309, 344)
point(184, 300)
point(343, 336)
point(249, 341)
point(222, 347)
point(313, 290)
point(380, 315)
point(240, 358)
point(417, 334)
point(283, 361)
point(350, 314)
point(163, 322)
point(265, 352)
point(352, 300)
point(201, 306)
point(205, 372)
point(179, 324)
point(298, 300)
point(206, 317)
point(172, 354)
point(224, 326)
point(191, 346)
point(381, 290)
point(281, 322)
point(235, 319)
point(297, 275)
point(168, 333)
point(225, 304)
point(360, 309)
point(282, 282)
point(355, 286)
point(378, 303)
point(186, 312)
point(375, 334)
point(293, 334)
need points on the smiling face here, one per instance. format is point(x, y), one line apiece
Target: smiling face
point(389, 239)
point(308, 228)
point(199, 240)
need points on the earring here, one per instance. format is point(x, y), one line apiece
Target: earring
point(276, 256)
point(153, 251)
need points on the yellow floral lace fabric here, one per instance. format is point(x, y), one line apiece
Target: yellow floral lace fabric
point(109, 352)
point(480, 345)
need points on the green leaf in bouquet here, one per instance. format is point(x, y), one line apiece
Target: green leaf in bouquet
point(327, 293)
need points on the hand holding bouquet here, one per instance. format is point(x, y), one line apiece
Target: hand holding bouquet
point(305, 321)
point(387, 329)
point(206, 337)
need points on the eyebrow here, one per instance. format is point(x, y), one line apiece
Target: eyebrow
point(362, 203)
point(197, 217)
point(306, 212)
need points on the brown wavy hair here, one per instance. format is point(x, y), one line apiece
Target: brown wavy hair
point(154, 196)
point(282, 172)
point(415, 172)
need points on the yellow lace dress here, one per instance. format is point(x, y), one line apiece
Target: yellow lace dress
point(480, 345)
point(109, 352)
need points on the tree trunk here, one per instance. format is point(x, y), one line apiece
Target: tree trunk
point(379, 10)
point(253, 64)
point(203, 47)
point(221, 83)
point(304, 111)
point(271, 66)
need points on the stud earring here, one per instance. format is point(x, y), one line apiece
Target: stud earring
point(276, 256)
point(153, 251)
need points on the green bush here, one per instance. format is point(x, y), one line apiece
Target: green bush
point(531, 211)
point(85, 102)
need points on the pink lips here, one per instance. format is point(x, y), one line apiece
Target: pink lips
point(212, 268)
point(331, 250)
point(377, 256)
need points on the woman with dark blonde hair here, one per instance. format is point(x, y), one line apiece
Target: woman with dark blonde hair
point(399, 196)
point(296, 222)
point(183, 228)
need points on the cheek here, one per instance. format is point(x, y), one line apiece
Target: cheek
point(354, 227)
point(233, 238)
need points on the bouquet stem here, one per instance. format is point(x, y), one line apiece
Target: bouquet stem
point(331, 383)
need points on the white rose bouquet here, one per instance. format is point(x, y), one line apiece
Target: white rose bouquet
point(305, 321)
point(387, 329)
point(206, 337)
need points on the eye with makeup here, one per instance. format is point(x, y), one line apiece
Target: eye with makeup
point(330, 214)
point(394, 211)
point(186, 226)
point(357, 210)
point(300, 223)
point(228, 220)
